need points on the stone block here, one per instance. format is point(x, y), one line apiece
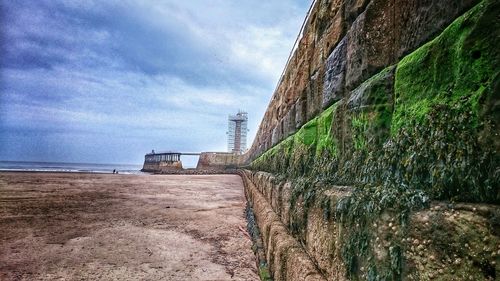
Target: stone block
point(277, 231)
point(286, 193)
point(315, 277)
point(313, 95)
point(282, 129)
point(299, 266)
point(370, 42)
point(353, 8)
point(320, 237)
point(378, 90)
point(275, 136)
point(420, 21)
point(269, 142)
point(276, 198)
point(266, 189)
point(290, 129)
point(301, 77)
point(329, 28)
point(265, 229)
point(286, 125)
point(300, 113)
point(369, 112)
point(333, 85)
point(321, 244)
point(284, 243)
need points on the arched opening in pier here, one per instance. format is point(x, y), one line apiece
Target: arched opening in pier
point(189, 161)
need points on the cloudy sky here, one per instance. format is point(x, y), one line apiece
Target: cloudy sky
point(107, 81)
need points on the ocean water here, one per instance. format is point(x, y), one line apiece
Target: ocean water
point(68, 167)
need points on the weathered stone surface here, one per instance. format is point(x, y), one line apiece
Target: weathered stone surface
point(283, 244)
point(313, 94)
point(276, 198)
point(378, 90)
point(473, 258)
point(333, 85)
point(322, 245)
point(290, 126)
point(277, 239)
point(285, 124)
point(288, 259)
point(282, 125)
point(353, 8)
point(329, 29)
point(286, 193)
point(369, 112)
point(218, 161)
point(300, 113)
point(434, 238)
point(299, 265)
point(269, 142)
point(275, 136)
point(280, 130)
point(370, 42)
point(417, 22)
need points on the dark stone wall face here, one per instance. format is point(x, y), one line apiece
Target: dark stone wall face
point(353, 8)
point(333, 86)
point(370, 42)
point(420, 21)
point(300, 113)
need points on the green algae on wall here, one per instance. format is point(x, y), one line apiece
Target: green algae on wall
point(441, 139)
point(373, 100)
point(438, 140)
point(359, 125)
point(440, 92)
point(456, 69)
point(298, 154)
point(326, 141)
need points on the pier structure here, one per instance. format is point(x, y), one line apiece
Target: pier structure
point(163, 161)
point(165, 157)
point(170, 161)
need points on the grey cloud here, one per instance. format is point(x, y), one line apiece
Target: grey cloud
point(136, 74)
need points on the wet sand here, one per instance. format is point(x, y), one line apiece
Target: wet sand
point(63, 226)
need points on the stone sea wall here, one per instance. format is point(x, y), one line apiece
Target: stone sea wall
point(343, 43)
point(339, 237)
point(218, 161)
point(379, 151)
point(161, 167)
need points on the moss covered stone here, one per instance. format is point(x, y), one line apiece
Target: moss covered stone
point(457, 68)
point(424, 130)
point(302, 153)
point(326, 141)
point(431, 127)
point(441, 91)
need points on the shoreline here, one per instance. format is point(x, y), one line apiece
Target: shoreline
point(71, 172)
point(138, 173)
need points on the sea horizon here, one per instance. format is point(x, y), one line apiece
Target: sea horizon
point(68, 167)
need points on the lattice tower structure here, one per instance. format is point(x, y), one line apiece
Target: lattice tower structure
point(237, 132)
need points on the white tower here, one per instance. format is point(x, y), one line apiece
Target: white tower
point(237, 132)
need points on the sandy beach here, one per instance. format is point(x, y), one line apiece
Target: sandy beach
point(68, 226)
